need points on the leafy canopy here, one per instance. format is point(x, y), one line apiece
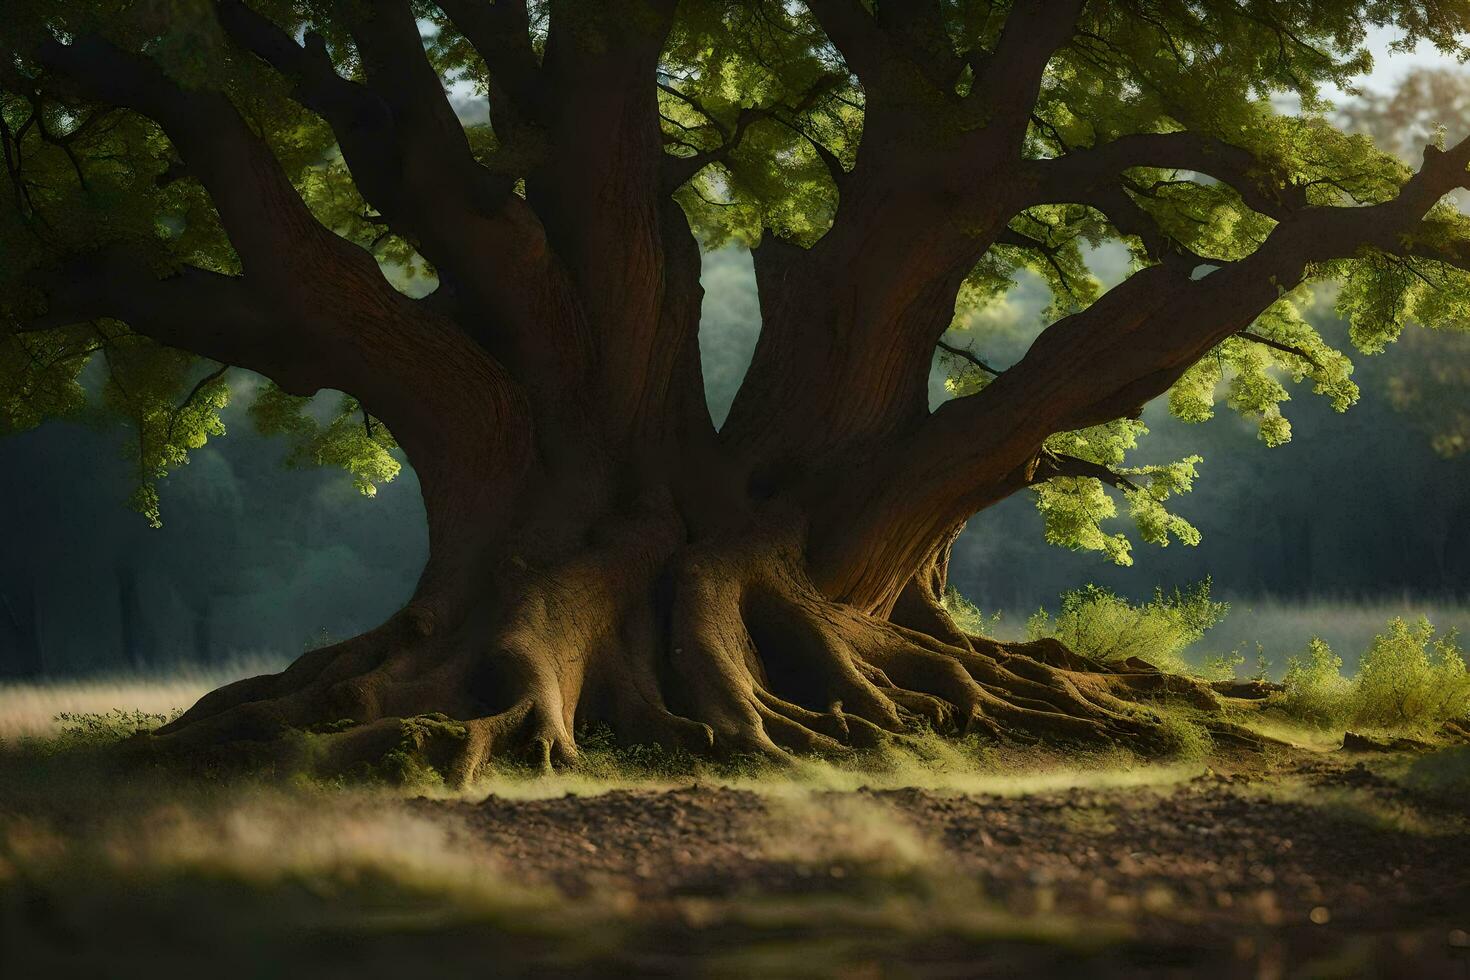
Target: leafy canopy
point(81, 175)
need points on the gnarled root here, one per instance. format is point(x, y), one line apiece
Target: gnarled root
point(723, 647)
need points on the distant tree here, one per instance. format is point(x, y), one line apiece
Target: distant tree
point(299, 189)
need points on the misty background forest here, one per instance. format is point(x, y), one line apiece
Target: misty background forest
point(1356, 519)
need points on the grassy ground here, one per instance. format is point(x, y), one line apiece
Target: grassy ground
point(948, 859)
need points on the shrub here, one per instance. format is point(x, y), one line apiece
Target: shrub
point(1316, 692)
point(1411, 679)
point(100, 728)
point(966, 615)
point(1097, 623)
point(1221, 666)
point(1184, 739)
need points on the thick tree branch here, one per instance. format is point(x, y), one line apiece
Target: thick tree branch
point(410, 158)
point(433, 149)
point(216, 316)
point(855, 34)
point(361, 121)
point(501, 33)
point(321, 293)
point(601, 194)
point(1071, 177)
point(1011, 76)
point(899, 43)
point(1107, 361)
point(265, 219)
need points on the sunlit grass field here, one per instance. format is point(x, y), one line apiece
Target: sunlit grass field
point(35, 707)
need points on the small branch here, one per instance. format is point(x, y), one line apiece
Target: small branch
point(680, 170)
point(1050, 465)
point(964, 353)
point(205, 381)
point(1278, 345)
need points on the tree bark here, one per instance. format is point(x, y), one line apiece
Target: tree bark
point(708, 642)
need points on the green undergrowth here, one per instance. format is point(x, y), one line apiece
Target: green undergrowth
point(411, 761)
point(1098, 623)
point(1410, 681)
point(84, 728)
point(921, 758)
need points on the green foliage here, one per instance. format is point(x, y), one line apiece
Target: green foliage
point(1073, 508)
point(349, 439)
point(724, 60)
point(1409, 680)
point(1316, 692)
point(423, 741)
point(149, 386)
point(1097, 623)
point(966, 615)
point(1184, 738)
point(1262, 671)
point(79, 729)
point(85, 176)
point(1220, 666)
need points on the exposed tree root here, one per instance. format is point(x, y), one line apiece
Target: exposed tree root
point(722, 648)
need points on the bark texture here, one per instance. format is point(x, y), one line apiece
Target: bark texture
point(599, 553)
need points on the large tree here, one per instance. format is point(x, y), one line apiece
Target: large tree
point(306, 189)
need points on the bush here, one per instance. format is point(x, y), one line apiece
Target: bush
point(100, 728)
point(1409, 680)
point(1221, 666)
point(1316, 692)
point(1097, 623)
point(966, 615)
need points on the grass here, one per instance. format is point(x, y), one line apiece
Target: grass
point(132, 870)
point(35, 708)
point(146, 864)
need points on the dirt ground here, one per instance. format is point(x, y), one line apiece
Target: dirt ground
point(1327, 865)
point(1325, 869)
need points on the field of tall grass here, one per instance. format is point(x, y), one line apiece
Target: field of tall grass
point(36, 707)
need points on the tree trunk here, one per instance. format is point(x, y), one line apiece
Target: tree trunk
point(599, 554)
point(674, 615)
